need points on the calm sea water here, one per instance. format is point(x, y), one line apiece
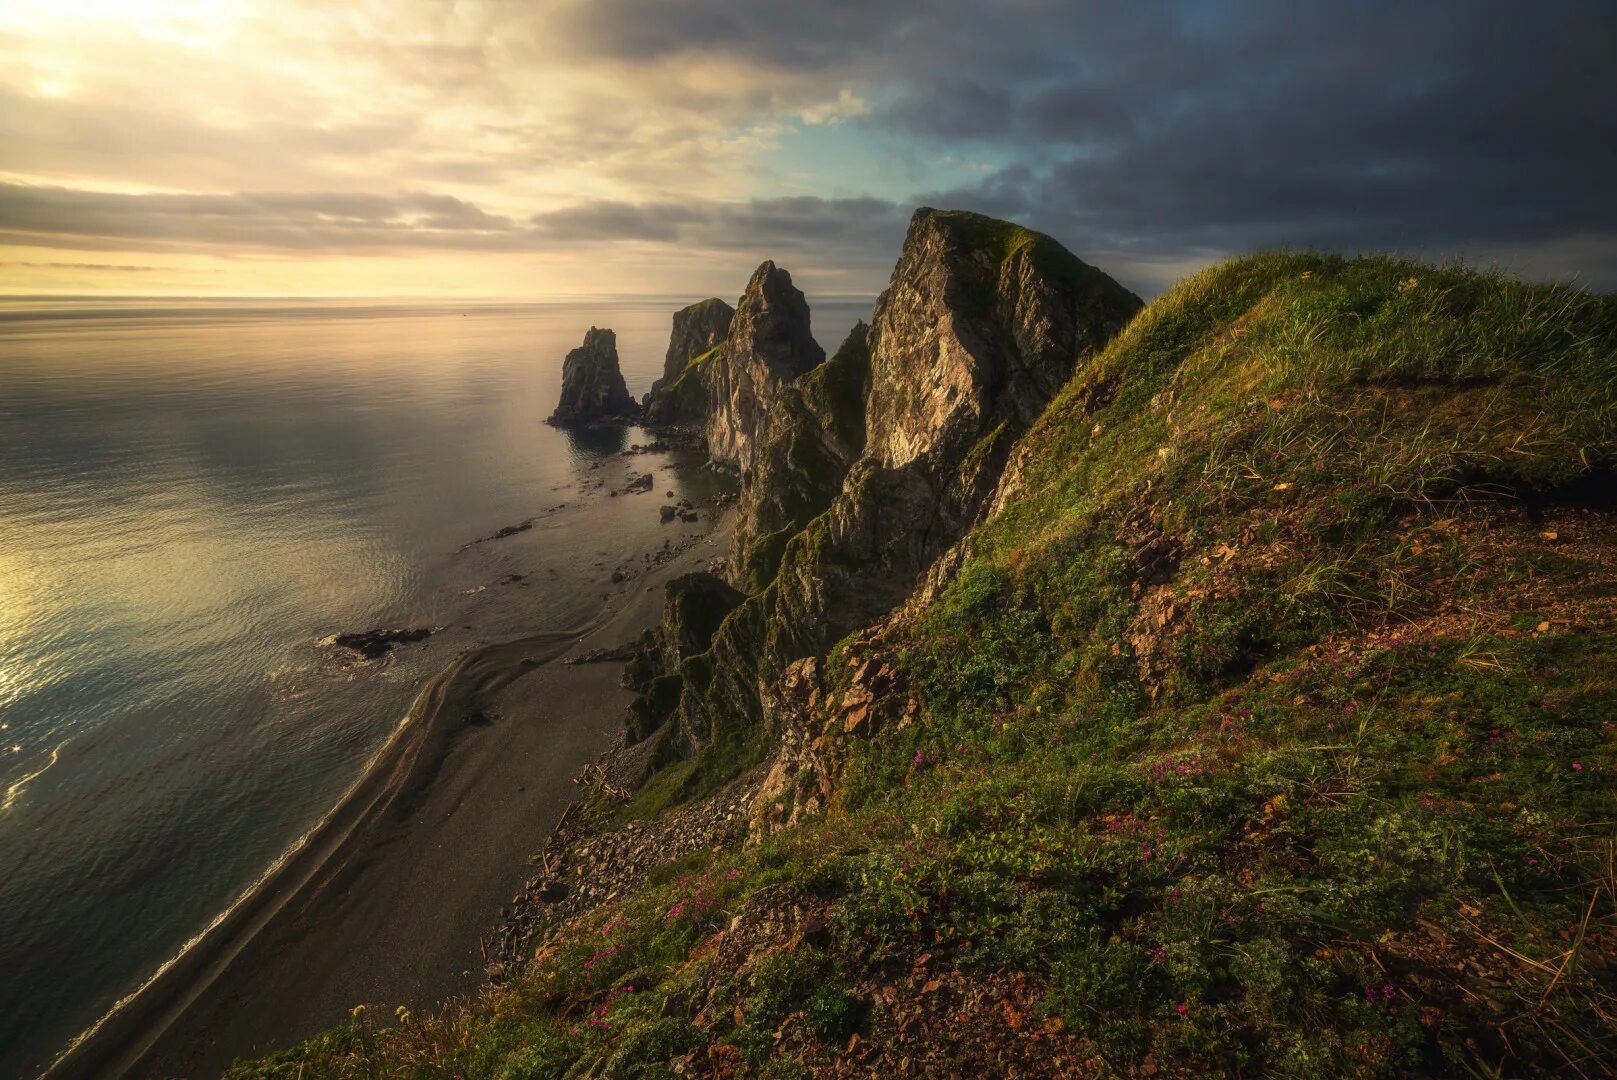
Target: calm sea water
point(192, 496)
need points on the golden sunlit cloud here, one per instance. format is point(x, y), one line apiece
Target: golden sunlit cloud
point(382, 146)
point(485, 111)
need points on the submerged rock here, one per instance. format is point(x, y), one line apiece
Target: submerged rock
point(372, 644)
point(592, 387)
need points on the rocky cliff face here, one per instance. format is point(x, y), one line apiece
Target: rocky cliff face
point(815, 432)
point(693, 607)
point(696, 330)
point(679, 397)
point(592, 388)
point(982, 323)
point(769, 345)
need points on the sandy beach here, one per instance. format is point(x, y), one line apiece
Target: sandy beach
point(387, 901)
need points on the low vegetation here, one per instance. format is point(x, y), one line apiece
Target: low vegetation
point(1267, 729)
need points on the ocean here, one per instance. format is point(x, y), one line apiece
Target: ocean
point(194, 496)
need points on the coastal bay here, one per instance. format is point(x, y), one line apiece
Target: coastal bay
point(386, 903)
point(202, 500)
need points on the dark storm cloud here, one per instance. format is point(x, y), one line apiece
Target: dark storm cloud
point(1417, 127)
point(1198, 127)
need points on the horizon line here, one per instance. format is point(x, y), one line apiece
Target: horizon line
point(582, 298)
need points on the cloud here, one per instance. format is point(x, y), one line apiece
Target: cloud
point(1147, 137)
point(855, 231)
point(275, 221)
point(1376, 125)
point(120, 268)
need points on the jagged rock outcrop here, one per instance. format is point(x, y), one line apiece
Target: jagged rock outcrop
point(697, 329)
point(816, 431)
point(693, 607)
point(812, 723)
point(981, 325)
point(592, 387)
point(769, 345)
point(679, 397)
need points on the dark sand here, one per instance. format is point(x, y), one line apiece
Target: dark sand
point(386, 904)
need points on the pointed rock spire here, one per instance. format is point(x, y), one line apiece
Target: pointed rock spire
point(769, 345)
point(592, 387)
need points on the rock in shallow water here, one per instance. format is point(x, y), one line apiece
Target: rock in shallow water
point(592, 387)
point(372, 644)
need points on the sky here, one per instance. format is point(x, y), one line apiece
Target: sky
point(552, 148)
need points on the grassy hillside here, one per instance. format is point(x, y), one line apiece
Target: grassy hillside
point(1268, 728)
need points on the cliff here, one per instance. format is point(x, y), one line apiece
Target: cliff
point(814, 433)
point(697, 329)
point(973, 334)
point(679, 397)
point(592, 387)
point(768, 346)
point(694, 605)
point(1223, 687)
point(982, 323)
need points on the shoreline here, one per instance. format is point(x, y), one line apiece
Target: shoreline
point(238, 987)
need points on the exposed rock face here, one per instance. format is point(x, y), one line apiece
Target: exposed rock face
point(592, 388)
point(681, 405)
point(769, 345)
point(696, 330)
point(679, 398)
point(811, 725)
point(693, 607)
point(981, 325)
point(815, 432)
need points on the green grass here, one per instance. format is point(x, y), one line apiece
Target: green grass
point(1268, 730)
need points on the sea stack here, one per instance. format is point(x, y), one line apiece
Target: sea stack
point(769, 346)
point(679, 398)
point(592, 388)
point(696, 330)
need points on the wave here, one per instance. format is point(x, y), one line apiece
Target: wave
point(21, 783)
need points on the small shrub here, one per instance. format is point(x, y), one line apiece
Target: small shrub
point(832, 1013)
